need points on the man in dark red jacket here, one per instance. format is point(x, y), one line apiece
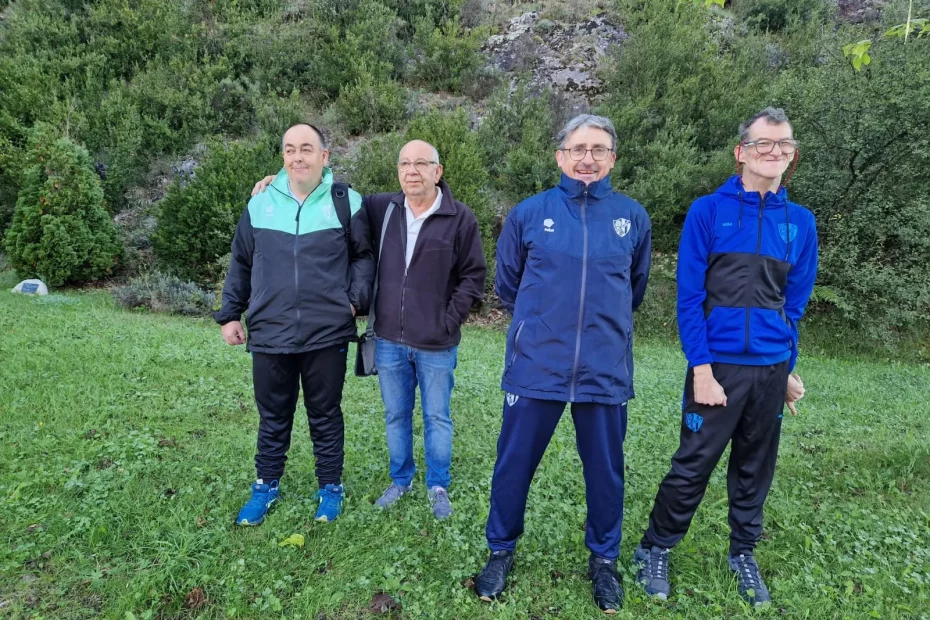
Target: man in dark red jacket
point(431, 272)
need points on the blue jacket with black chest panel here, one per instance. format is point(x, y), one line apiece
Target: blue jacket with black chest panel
point(572, 265)
point(746, 270)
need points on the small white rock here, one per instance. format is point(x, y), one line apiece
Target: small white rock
point(31, 287)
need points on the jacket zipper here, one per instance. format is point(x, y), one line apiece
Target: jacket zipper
point(403, 290)
point(584, 282)
point(300, 205)
point(758, 249)
point(516, 339)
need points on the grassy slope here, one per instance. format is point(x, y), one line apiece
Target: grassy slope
point(127, 444)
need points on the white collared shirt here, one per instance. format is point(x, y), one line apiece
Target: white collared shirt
point(414, 224)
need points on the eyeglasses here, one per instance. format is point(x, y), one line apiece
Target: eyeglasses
point(764, 146)
point(419, 164)
point(599, 153)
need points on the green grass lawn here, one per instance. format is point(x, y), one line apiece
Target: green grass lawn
point(126, 447)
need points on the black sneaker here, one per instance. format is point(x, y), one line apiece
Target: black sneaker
point(750, 584)
point(652, 571)
point(492, 579)
point(608, 593)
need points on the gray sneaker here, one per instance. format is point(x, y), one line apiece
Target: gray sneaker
point(391, 495)
point(652, 571)
point(750, 584)
point(439, 502)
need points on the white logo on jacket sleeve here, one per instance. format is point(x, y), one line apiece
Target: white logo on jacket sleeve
point(328, 211)
point(549, 223)
point(269, 210)
point(512, 399)
point(622, 226)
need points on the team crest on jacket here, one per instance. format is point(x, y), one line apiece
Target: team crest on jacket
point(512, 399)
point(788, 232)
point(694, 421)
point(328, 211)
point(622, 226)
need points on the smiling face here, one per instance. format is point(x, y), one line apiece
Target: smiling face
point(304, 155)
point(586, 170)
point(417, 169)
point(767, 167)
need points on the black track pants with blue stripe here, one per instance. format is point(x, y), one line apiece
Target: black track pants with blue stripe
point(752, 420)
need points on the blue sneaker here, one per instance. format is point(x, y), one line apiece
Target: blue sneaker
point(330, 503)
point(263, 498)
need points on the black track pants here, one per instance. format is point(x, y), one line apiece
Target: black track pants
point(277, 380)
point(752, 420)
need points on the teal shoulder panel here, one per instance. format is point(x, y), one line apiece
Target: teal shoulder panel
point(355, 201)
point(272, 210)
point(319, 212)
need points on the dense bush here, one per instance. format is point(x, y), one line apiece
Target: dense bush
point(447, 56)
point(865, 152)
point(197, 219)
point(370, 106)
point(518, 138)
point(61, 231)
point(159, 292)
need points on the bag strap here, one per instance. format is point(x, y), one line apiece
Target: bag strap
point(370, 330)
point(340, 193)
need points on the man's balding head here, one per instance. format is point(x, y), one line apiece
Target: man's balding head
point(418, 169)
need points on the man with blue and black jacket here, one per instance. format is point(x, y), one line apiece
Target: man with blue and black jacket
point(302, 268)
point(572, 265)
point(746, 268)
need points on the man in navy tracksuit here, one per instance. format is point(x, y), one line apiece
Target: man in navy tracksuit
point(746, 268)
point(572, 265)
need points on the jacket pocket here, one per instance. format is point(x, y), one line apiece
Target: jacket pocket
point(726, 329)
point(769, 332)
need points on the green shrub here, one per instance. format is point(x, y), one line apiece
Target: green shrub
point(777, 15)
point(518, 139)
point(864, 156)
point(197, 219)
point(11, 177)
point(61, 231)
point(159, 292)
point(447, 57)
point(374, 168)
point(371, 106)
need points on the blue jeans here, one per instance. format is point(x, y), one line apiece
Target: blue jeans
point(400, 369)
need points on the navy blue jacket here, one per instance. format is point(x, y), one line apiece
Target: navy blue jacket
point(572, 265)
point(746, 270)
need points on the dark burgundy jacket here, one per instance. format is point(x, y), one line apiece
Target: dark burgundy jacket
point(425, 304)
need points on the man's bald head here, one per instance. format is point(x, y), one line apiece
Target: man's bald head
point(418, 169)
point(416, 148)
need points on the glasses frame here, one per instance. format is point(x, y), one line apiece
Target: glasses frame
point(755, 144)
point(418, 165)
point(586, 151)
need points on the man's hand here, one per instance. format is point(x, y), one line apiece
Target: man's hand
point(794, 393)
point(261, 185)
point(706, 389)
point(233, 333)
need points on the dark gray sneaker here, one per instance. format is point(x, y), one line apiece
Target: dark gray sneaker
point(750, 584)
point(391, 495)
point(652, 571)
point(439, 502)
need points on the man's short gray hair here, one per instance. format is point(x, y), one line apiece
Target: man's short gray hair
point(773, 116)
point(588, 120)
point(432, 148)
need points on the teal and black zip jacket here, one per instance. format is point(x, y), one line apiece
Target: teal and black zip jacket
point(296, 272)
point(746, 269)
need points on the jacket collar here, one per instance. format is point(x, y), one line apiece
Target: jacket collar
point(446, 206)
point(733, 187)
point(326, 183)
point(574, 188)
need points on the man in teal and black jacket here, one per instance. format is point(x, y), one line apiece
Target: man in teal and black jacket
point(746, 268)
point(301, 268)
